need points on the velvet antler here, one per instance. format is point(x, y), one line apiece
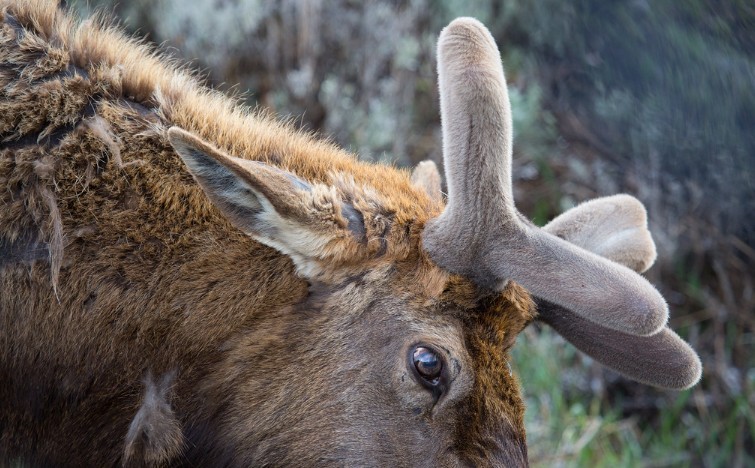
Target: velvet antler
point(481, 235)
point(616, 228)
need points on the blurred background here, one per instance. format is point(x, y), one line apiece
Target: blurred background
point(652, 98)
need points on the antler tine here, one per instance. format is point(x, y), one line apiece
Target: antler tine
point(476, 118)
point(615, 227)
point(477, 135)
point(481, 235)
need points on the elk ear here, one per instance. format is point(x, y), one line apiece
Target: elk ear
point(616, 228)
point(304, 221)
point(427, 177)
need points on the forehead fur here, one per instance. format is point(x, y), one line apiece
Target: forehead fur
point(492, 418)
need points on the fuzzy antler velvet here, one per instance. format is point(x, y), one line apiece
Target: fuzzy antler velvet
point(481, 235)
point(616, 228)
point(613, 227)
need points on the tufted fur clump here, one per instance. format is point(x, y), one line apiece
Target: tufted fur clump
point(154, 437)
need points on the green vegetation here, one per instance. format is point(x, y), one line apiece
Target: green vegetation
point(574, 418)
point(663, 93)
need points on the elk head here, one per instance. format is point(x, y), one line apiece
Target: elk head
point(399, 354)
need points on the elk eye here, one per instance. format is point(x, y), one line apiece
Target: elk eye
point(428, 364)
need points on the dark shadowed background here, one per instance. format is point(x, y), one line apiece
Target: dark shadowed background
point(656, 99)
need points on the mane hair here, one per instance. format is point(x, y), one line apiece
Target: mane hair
point(66, 81)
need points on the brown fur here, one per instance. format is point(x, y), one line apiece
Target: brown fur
point(154, 437)
point(145, 276)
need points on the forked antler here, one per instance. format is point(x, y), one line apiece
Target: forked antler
point(616, 228)
point(481, 235)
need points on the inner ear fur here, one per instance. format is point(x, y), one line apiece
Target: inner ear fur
point(307, 222)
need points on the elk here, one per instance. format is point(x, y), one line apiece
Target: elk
point(185, 281)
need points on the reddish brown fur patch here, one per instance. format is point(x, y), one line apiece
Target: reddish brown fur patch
point(493, 421)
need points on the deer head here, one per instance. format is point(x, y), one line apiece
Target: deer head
point(399, 355)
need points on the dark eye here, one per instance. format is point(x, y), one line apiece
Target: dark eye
point(428, 364)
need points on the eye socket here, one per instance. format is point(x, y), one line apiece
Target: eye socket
point(428, 364)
